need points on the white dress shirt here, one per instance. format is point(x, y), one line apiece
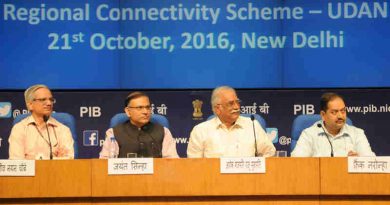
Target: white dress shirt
point(212, 139)
point(313, 142)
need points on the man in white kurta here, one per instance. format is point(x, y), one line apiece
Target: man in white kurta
point(228, 134)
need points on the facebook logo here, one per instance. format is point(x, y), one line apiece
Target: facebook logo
point(90, 138)
point(272, 133)
point(5, 109)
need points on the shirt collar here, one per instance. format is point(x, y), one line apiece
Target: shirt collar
point(145, 127)
point(52, 122)
point(343, 131)
point(218, 123)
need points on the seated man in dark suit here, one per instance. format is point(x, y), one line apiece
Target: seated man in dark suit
point(138, 136)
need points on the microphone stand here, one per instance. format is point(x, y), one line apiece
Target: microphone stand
point(327, 137)
point(45, 119)
point(254, 133)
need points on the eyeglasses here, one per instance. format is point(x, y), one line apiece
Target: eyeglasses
point(140, 108)
point(43, 100)
point(231, 103)
point(335, 112)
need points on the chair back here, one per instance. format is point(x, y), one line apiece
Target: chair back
point(155, 118)
point(302, 122)
point(257, 117)
point(64, 118)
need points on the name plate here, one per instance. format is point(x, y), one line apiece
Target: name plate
point(17, 167)
point(369, 164)
point(130, 166)
point(242, 165)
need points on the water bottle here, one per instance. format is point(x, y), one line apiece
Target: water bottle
point(112, 150)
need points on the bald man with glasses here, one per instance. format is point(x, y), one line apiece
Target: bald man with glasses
point(138, 137)
point(40, 136)
point(228, 134)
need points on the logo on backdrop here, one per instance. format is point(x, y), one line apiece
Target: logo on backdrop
point(90, 138)
point(90, 111)
point(197, 114)
point(272, 133)
point(5, 109)
point(303, 109)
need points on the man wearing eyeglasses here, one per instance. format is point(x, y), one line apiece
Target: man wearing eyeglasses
point(332, 136)
point(138, 136)
point(40, 136)
point(228, 134)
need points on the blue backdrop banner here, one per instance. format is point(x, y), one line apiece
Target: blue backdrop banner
point(154, 44)
point(369, 109)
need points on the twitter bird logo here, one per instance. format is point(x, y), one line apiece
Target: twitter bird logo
point(5, 109)
point(272, 134)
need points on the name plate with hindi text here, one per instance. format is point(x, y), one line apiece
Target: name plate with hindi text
point(369, 164)
point(17, 167)
point(130, 166)
point(242, 165)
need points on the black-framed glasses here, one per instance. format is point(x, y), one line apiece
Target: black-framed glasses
point(43, 100)
point(139, 108)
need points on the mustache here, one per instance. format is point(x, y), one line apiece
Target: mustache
point(235, 111)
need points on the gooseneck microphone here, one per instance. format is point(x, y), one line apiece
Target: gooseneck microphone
point(156, 149)
point(254, 133)
point(327, 137)
point(45, 119)
point(142, 150)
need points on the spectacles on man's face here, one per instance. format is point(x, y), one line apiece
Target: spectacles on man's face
point(140, 108)
point(44, 100)
point(231, 103)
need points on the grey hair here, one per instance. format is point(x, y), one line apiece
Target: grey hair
point(29, 93)
point(215, 95)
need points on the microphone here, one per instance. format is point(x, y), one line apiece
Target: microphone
point(156, 150)
point(327, 137)
point(142, 150)
point(254, 133)
point(45, 119)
